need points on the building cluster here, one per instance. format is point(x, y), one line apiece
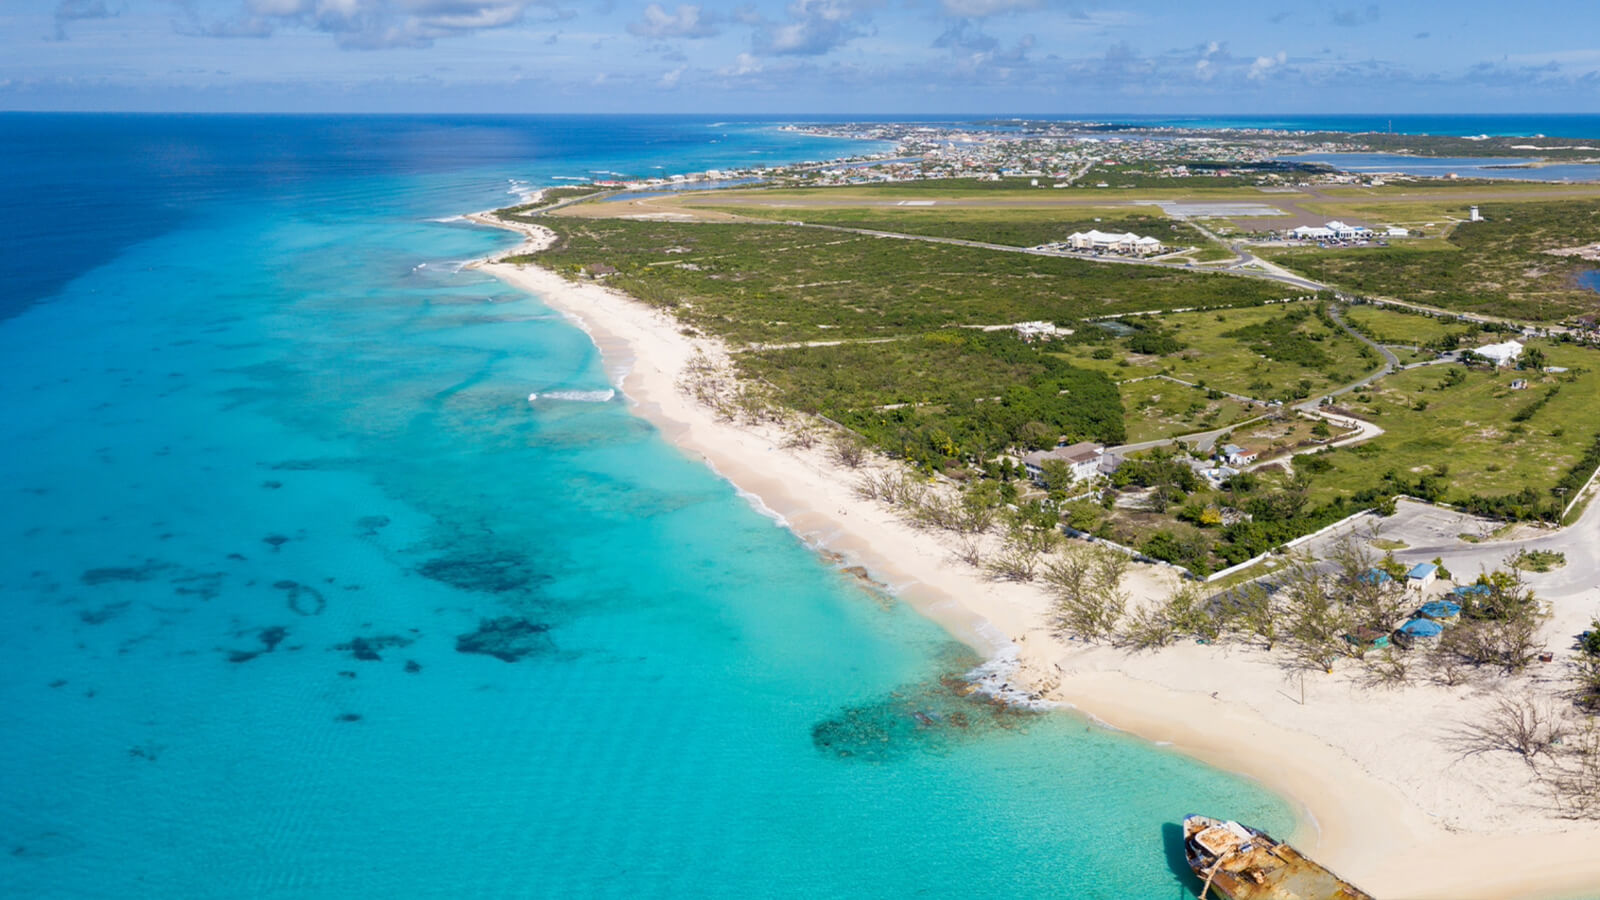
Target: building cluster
point(1435, 610)
point(1339, 232)
point(1097, 241)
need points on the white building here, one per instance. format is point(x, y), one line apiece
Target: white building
point(1083, 458)
point(1474, 215)
point(1119, 243)
point(1334, 229)
point(1396, 231)
point(1501, 354)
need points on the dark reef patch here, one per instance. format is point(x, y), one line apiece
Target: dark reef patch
point(369, 649)
point(370, 525)
point(413, 666)
point(303, 599)
point(109, 574)
point(104, 614)
point(205, 585)
point(348, 717)
point(270, 637)
point(929, 717)
point(492, 572)
point(276, 541)
point(507, 638)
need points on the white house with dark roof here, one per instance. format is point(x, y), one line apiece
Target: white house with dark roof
point(1083, 458)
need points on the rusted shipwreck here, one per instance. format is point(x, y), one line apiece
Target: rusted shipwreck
point(1238, 862)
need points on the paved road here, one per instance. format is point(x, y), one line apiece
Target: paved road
point(1390, 364)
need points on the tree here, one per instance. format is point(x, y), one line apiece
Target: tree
point(1086, 582)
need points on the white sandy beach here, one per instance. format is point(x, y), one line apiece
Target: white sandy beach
point(1386, 799)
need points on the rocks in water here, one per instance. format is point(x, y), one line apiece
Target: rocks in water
point(104, 614)
point(346, 673)
point(303, 598)
point(492, 572)
point(123, 573)
point(272, 485)
point(507, 638)
point(370, 525)
point(924, 718)
point(348, 717)
point(413, 666)
point(270, 637)
point(276, 541)
point(150, 752)
point(369, 648)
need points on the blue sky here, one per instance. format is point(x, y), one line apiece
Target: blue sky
point(795, 56)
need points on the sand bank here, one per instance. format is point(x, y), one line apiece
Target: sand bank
point(1385, 798)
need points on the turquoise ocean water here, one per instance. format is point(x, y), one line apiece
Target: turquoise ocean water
point(269, 455)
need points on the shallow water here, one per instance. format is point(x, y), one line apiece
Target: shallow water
point(273, 468)
point(1505, 168)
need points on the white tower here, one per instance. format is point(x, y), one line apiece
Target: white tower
point(1474, 216)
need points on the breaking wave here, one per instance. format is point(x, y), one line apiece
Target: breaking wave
point(605, 396)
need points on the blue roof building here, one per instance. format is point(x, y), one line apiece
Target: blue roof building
point(1423, 572)
point(1374, 576)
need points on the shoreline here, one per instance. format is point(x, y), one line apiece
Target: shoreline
point(1350, 816)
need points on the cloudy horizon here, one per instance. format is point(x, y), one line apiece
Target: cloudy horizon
point(797, 56)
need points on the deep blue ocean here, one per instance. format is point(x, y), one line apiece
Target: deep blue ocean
point(269, 457)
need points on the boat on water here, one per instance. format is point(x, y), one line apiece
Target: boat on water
point(1238, 862)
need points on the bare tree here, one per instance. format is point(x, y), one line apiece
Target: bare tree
point(1575, 782)
point(848, 451)
point(1016, 561)
point(1522, 725)
point(1086, 582)
point(1317, 622)
point(803, 434)
point(968, 551)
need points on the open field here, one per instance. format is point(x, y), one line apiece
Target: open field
point(1500, 267)
point(947, 397)
point(781, 284)
point(1157, 408)
point(1465, 438)
point(1016, 227)
point(1390, 325)
point(1278, 352)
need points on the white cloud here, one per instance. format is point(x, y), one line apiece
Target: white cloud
point(1265, 64)
point(814, 27)
point(374, 24)
point(688, 21)
point(978, 9)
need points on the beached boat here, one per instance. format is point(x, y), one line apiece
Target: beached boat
point(1238, 862)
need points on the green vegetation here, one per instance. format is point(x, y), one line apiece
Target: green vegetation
point(1279, 352)
point(1157, 408)
point(779, 284)
point(947, 397)
point(1540, 560)
point(1025, 227)
point(1497, 267)
point(548, 197)
point(1465, 444)
point(1400, 325)
point(1205, 174)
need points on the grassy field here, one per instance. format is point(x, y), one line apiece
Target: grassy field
point(1157, 408)
point(1253, 351)
point(947, 396)
point(780, 284)
point(1397, 326)
point(1465, 433)
point(1499, 266)
point(1027, 227)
